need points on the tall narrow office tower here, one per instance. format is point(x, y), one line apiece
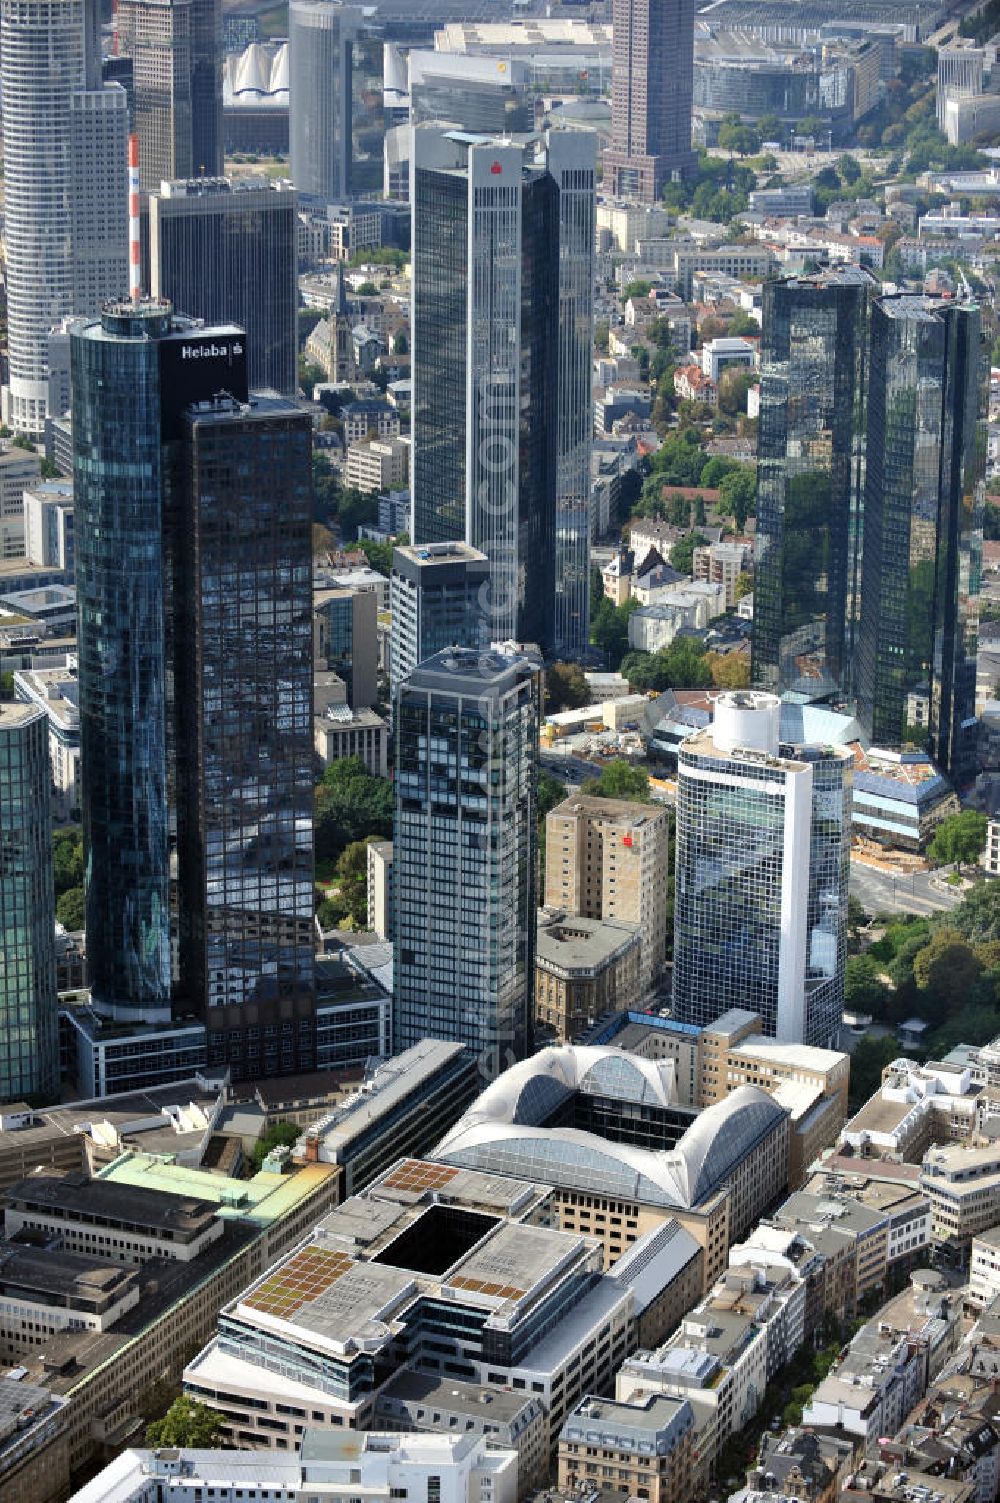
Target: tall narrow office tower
point(65, 226)
point(502, 286)
point(226, 251)
point(243, 630)
point(810, 476)
point(29, 1020)
point(652, 87)
point(464, 854)
point(176, 52)
point(916, 670)
point(321, 36)
point(436, 593)
point(763, 849)
point(207, 495)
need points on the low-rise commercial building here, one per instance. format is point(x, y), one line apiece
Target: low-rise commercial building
point(984, 1268)
point(427, 1402)
point(402, 1108)
point(914, 1107)
point(963, 1187)
point(380, 1467)
point(583, 968)
point(643, 1448)
point(342, 732)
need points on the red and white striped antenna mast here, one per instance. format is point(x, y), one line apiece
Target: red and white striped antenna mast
point(134, 288)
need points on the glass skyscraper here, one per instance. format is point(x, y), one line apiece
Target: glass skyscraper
point(243, 633)
point(916, 670)
point(810, 475)
point(29, 1025)
point(466, 727)
point(176, 52)
point(321, 36)
point(763, 849)
point(503, 237)
point(195, 685)
point(436, 594)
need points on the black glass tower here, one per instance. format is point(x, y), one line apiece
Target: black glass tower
point(810, 471)
point(227, 251)
point(916, 660)
point(194, 603)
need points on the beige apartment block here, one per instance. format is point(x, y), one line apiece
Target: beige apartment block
point(607, 859)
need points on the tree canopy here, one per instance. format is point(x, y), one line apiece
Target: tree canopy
point(350, 805)
point(960, 839)
point(186, 1423)
point(619, 780)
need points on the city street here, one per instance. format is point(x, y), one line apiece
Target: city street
point(905, 892)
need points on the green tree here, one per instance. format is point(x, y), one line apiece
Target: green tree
point(743, 139)
point(310, 375)
point(864, 991)
point(848, 170)
point(71, 909)
point(186, 1423)
point(959, 840)
point(636, 289)
point(352, 879)
point(275, 1135)
point(715, 471)
point(67, 860)
point(350, 805)
point(619, 780)
point(977, 916)
point(742, 323)
point(682, 553)
point(550, 793)
point(379, 555)
point(734, 384)
point(566, 688)
point(738, 494)
point(609, 629)
point(743, 585)
point(6, 686)
point(867, 1063)
point(947, 968)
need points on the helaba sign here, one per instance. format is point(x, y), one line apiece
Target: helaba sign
point(211, 351)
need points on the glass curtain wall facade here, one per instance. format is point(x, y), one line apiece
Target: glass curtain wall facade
point(502, 312)
point(118, 482)
point(916, 676)
point(320, 65)
point(243, 611)
point(63, 142)
point(763, 845)
point(176, 52)
point(227, 253)
point(810, 477)
point(29, 1025)
point(464, 855)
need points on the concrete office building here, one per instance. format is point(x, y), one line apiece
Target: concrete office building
point(176, 52)
point(763, 844)
point(48, 525)
point(29, 1036)
point(960, 73)
point(559, 1118)
point(402, 1108)
point(380, 888)
point(378, 464)
point(225, 250)
point(583, 967)
point(145, 384)
point(652, 82)
point(464, 854)
point(56, 692)
point(321, 37)
point(65, 227)
point(18, 471)
point(451, 1468)
point(437, 596)
point(503, 246)
point(345, 641)
point(607, 859)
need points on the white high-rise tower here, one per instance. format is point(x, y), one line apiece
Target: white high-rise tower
point(65, 187)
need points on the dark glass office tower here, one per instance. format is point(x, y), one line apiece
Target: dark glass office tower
point(227, 251)
point(916, 673)
point(464, 854)
point(502, 308)
point(243, 614)
point(810, 473)
point(120, 568)
point(29, 1017)
point(195, 641)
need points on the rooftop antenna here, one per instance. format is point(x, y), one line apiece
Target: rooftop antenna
point(133, 218)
